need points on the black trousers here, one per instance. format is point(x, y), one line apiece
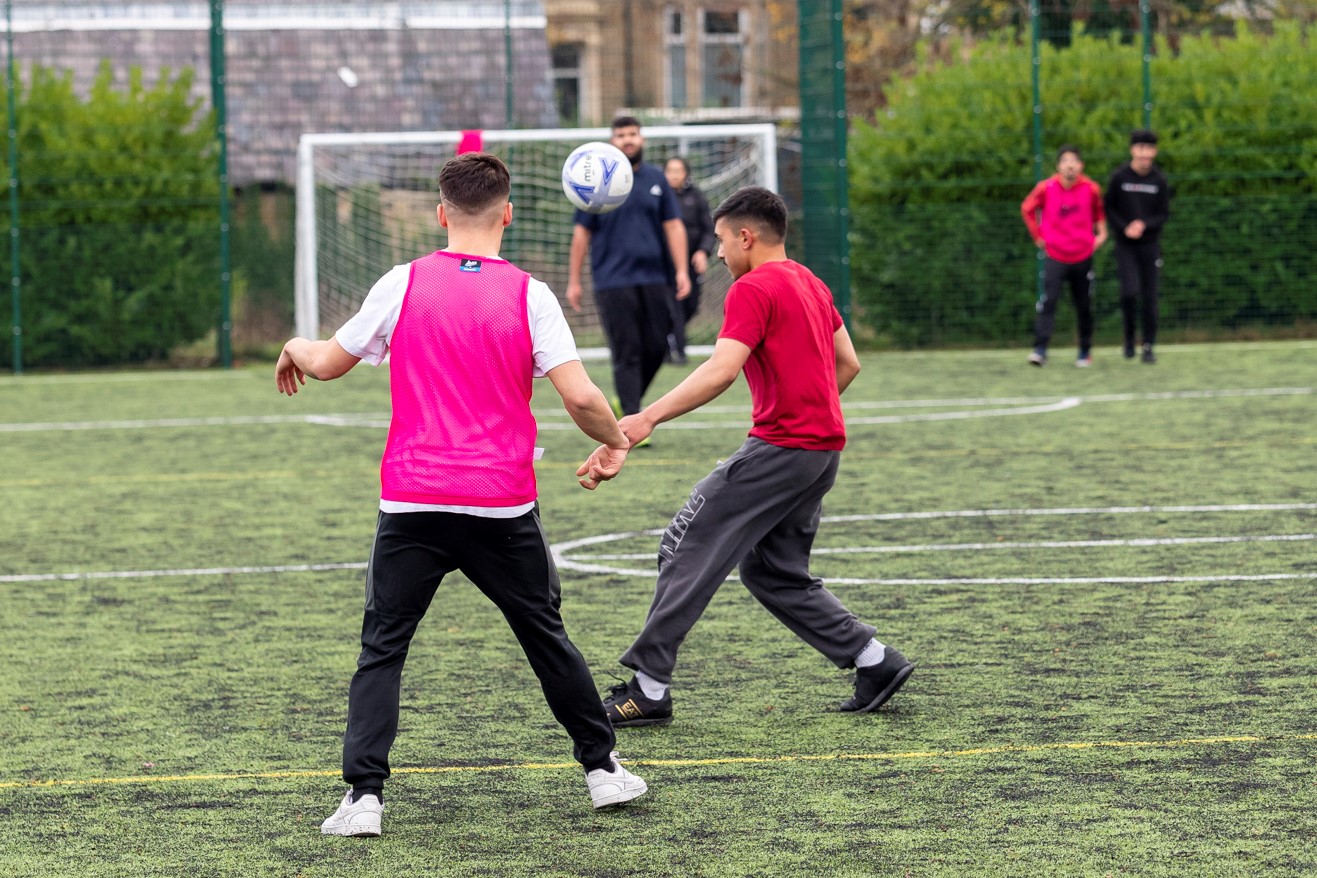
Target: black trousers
point(508, 559)
point(682, 312)
point(1139, 268)
point(636, 321)
point(1080, 277)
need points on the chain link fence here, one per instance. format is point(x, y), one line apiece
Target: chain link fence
point(975, 102)
point(151, 208)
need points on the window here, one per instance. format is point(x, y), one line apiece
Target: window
point(714, 44)
point(567, 81)
point(674, 38)
point(722, 58)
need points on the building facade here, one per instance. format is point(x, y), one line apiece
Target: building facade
point(299, 67)
point(673, 60)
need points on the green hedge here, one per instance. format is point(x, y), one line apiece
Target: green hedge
point(119, 220)
point(939, 252)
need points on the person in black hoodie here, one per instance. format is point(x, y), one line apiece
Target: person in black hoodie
point(1138, 203)
point(699, 236)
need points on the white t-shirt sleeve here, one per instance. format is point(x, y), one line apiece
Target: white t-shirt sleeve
point(550, 336)
point(368, 332)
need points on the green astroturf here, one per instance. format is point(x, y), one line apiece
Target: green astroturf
point(1107, 707)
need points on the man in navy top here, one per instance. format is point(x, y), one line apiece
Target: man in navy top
point(637, 255)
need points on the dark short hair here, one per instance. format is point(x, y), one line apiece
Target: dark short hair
point(474, 182)
point(681, 159)
point(1065, 148)
point(1143, 135)
point(757, 206)
point(625, 122)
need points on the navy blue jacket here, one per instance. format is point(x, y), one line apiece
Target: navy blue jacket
point(628, 246)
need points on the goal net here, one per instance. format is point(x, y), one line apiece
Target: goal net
point(365, 202)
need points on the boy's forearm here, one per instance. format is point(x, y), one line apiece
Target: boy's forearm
point(703, 385)
point(595, 419)
point(322, 360)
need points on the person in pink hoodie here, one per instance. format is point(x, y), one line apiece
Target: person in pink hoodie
point(1065, 218)
point(464, 333)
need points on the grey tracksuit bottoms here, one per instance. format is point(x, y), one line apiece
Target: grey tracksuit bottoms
point(760, 510)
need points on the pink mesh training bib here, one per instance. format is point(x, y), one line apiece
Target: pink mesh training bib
point(460, 368)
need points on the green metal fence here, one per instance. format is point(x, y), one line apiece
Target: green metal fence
point(941, 163)
point(151, 147)
point(823, 127)
point(131, 126)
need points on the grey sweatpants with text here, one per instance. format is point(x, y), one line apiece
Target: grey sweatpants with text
point(760, 510)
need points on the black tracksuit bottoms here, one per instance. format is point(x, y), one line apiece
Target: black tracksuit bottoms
point(508, 559)
point(636, 321)
point(1080, 277)
point(1139, 268)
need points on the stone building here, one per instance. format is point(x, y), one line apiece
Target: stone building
point(673, 60)
point(296, 67)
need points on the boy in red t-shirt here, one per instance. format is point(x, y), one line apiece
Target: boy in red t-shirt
point(1070, 206)
point(760, 508)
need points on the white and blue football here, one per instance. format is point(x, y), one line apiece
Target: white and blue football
point(597, 177)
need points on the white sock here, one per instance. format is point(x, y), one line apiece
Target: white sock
point(653, 689)
point(871, 655)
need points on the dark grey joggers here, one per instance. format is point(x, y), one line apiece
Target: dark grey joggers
point(759, 509)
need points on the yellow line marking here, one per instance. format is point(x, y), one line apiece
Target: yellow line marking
point(721, 760)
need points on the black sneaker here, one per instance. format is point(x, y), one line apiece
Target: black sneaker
point(626, 706)
point(1129, 350)
point(1148, 355)
point(874, 685)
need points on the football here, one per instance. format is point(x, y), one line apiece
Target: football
point(597, 177)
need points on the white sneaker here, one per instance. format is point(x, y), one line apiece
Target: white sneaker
point(614, 787)
point(360, 819)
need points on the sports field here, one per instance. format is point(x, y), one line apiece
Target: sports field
point(1107, 578)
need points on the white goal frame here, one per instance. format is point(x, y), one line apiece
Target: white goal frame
point(306, 274)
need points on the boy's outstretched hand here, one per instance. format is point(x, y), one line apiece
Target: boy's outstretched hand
point(287, 375)
point(602, 465)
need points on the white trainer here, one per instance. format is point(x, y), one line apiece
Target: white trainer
point(614, 787)
point(360, 819)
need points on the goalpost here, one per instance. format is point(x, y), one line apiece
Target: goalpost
point(365, 202)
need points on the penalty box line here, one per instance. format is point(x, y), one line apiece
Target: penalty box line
point(914, 755)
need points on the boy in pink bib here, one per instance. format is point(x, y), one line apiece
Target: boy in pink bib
point(464, 333)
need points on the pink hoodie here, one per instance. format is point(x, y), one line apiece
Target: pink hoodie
point(1068, 217)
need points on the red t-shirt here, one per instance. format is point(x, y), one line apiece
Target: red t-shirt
point(785, 315)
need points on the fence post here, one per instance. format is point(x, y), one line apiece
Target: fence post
point(222, 139)
point(823, 129)
point(16, 278)
point(507, 64)
point(1036, 68)
point(1145, 15)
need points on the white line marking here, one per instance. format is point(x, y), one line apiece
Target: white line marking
point(1079, 580)
point(975, 547)
point(859, 405)
point(120, 377)
point(1067, 403)
point(200, 571)
point(156, 422)
point(1010, 406)
point(1074, 510)
point(566, 562)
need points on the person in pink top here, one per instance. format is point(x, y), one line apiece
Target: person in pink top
point(759, 510)
point(1065, 218)
point(464, 333)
